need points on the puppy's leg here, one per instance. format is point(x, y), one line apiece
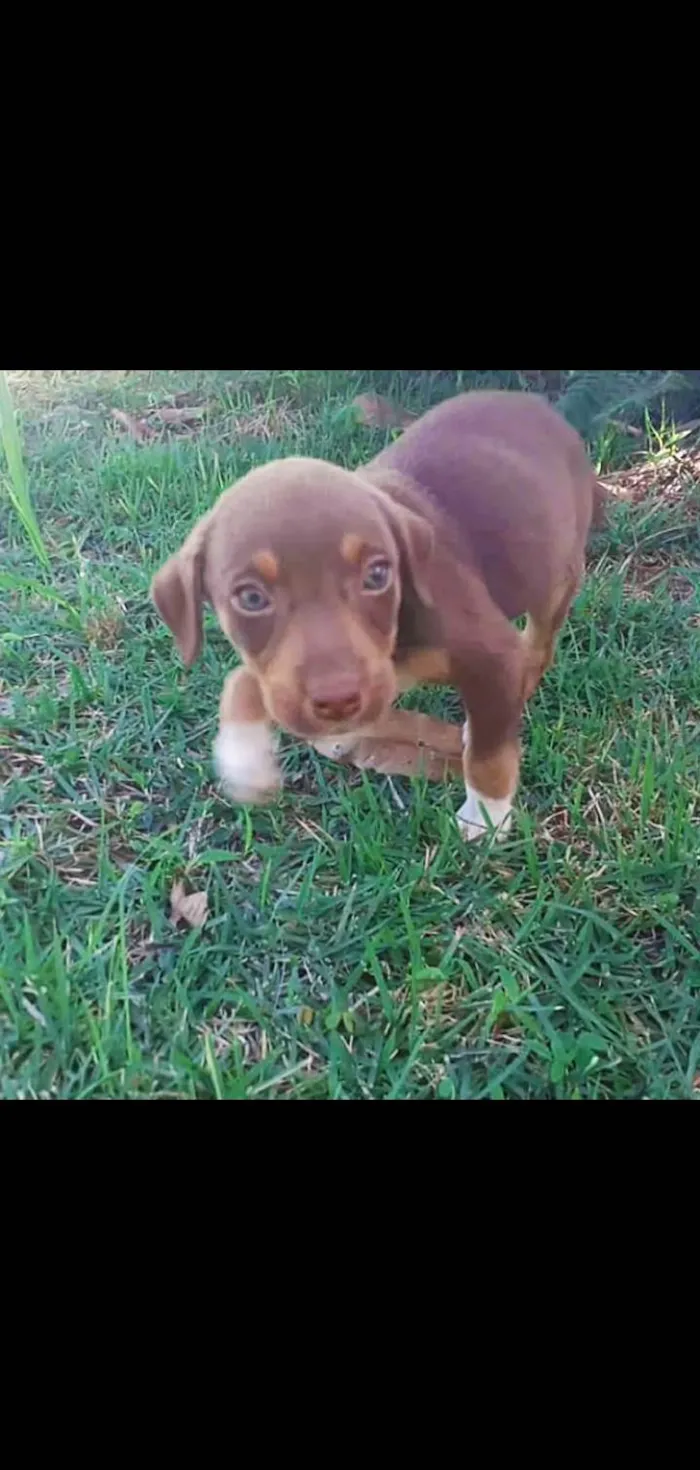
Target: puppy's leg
point(542, 630)
point(244, 749)
point(403, 743)
point(491, 781)
point(394, 758)
point(410, 727)
point(494, 701)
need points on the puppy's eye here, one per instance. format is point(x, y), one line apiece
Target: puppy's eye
point(377, 576)
point(251, 599)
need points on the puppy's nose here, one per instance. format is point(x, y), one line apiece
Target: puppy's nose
point(337, 700)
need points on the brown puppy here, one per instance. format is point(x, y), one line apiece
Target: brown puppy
point(340, 590)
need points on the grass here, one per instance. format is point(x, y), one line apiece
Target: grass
point(354, 948)
point(15, 481)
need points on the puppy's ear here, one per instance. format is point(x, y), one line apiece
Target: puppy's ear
point(413, 533)
point(177, 591)
point(417, 542)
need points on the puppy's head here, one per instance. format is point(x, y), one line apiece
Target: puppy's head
point(304, 564)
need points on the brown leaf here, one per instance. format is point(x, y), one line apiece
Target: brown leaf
point(380, 413)
point(179, 415)
point(137, 428)
point(191, 908)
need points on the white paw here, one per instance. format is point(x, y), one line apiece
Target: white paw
point(465, 735)
point(480, 813)
point(244, 756)
point(335, 747)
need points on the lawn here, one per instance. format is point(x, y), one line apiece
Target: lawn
point(354, 948)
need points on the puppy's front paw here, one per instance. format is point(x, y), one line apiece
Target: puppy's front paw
point(246, 764)
point(480, 814)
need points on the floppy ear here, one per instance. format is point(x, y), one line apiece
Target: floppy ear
point(414, 534)
point(417, 543)
point(177, 591)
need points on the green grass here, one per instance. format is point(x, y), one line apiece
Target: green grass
point(354, 947)
point(14, 481)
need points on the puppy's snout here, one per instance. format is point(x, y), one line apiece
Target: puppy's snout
point(337, 709)
point(336, 699)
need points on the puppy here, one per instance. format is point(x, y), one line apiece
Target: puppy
point(340, 590)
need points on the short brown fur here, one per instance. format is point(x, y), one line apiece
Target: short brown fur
point(480, 511)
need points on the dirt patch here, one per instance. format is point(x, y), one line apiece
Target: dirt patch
point(646, 572)
point(105, 630)
point(671, 479)
point(268, 421)
point(155, 423)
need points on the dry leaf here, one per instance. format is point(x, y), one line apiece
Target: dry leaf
point(138, 428)
point(306, 1016)
point(191, 908)
point(179, 415)
point(381, 413)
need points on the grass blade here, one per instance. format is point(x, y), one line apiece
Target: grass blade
point(17, 487)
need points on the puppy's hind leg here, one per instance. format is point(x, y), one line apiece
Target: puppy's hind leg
point(542, 629)
point(492, 688)
point(410, 727)
point(397, 758)
point(403, 743)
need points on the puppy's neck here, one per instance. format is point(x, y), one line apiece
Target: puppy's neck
point(402, 489)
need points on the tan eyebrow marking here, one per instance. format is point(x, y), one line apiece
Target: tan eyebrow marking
point(266, 563)
point(351, 547)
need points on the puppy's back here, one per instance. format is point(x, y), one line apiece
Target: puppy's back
point(514, 483)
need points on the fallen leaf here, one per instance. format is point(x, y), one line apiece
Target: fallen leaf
point(191, 908)
point(381, 413)
point(179, 415)
point(306, 1016)
point(137, 428)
